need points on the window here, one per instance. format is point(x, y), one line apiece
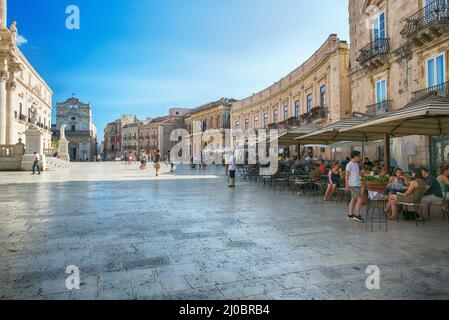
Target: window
point(246, 124)
point(265, 120)
point(73, 127)
point(381, 91)
point(275, 116)
point(20, 109)
point(256, 122)
point(379, 30)
point(237, 125)
point(309, 102)
point(212, 123)
point(323, 96)
point(435, 71)
point(285, 112)
point(297, 109)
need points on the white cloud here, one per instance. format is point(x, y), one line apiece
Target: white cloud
point(21, 40)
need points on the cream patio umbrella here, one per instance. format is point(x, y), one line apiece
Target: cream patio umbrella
point(333, 132)
point(429, 117)
point(288, 138)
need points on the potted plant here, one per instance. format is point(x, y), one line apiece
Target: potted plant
point(376, 183)
point(315, 174)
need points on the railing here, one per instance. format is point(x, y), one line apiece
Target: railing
point(379, 108)
point(376, 48)
point(435, 12)
point(314, 114)
point(12, 150)
point(438, 90)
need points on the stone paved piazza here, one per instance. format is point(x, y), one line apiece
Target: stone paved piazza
point(187, 236)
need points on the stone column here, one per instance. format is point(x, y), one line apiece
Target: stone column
point(3, 77)
point(3, 15)
point(10, 89)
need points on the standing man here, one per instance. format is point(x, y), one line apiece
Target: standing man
point(36, 164)
point(232, 169)
point(157, 160)
point(354, 185)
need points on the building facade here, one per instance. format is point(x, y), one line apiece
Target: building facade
point(316, 92)
point(399, 54)
point(155, 134)
point(25, 98)
point(112, 147)
point(130, 136)
point(80, 130)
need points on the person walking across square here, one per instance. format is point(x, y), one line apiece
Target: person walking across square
point(36, 164)
point(354, 185)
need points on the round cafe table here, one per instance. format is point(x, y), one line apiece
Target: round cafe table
point(375, 209)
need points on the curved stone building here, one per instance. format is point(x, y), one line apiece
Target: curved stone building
point(316, 92)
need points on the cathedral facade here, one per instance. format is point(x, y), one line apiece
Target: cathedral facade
point(80, 130)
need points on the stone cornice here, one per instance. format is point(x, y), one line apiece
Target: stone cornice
point(313, 64)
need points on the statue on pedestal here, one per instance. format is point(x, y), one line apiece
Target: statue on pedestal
point(63, 148)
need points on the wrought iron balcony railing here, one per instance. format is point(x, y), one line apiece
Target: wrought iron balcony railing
point(435, 12)
point(379, 108)
point(378, 47)
point(316, 113)
point(438, 90)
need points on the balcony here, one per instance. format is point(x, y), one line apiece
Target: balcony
point(441, 90)
point(429, 23)
point(379, 108)
point(317, 114)
point(287, 124)
point(374, 54)
point(83, 133)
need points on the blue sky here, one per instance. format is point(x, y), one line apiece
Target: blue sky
point(143, 57)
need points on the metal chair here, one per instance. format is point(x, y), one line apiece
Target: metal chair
point(442, 203)
point(416, 205)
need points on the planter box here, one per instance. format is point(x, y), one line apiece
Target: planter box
point(376, 186)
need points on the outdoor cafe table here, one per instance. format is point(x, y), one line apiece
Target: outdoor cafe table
point(375, 209)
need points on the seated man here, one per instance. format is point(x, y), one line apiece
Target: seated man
point(433, 191)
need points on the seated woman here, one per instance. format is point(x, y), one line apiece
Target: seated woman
point(414, 191)
point(443, 179)
point(334, 181)
point(397, 182)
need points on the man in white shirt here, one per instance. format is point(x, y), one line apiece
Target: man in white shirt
point(232, 169)
point(36, 164)
point(354, 185)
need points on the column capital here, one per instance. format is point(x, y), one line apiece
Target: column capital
point(3, 75)
point(11, 85)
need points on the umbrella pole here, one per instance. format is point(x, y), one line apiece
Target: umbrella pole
point(299, 151)
point(387, 154)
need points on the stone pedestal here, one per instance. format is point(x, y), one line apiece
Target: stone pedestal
point(34, 143)
point(63, 149)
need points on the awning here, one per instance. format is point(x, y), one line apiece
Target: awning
point(333, 132)
point(428, 117)
point(288, 138)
